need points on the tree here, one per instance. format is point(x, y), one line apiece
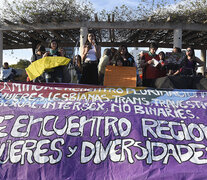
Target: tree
point(45, 11)
point(188, 11)
point(57, 11)
point(21, 64)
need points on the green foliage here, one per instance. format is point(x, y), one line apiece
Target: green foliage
point(21, 64)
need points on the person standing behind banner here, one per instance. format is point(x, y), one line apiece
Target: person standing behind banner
point(125, 56)
point(90, 56)
point(76, 69)
point(189, 64)
point(174, 61)
point(113, 53)
point(104, 61)
point(54, 74)
point(119, 62)
point(7, 73)
point(148, 64)
point(162, 64)
point(40, 51)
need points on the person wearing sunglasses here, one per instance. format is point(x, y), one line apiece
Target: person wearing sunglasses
point(190, 63)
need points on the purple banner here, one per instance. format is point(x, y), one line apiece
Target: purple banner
point(60, 131)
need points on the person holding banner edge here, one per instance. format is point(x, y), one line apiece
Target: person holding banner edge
point(55, 74)
point(40, 51)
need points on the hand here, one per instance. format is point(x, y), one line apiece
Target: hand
point(93, 42)
point(162, 63)
point(150, 62)
point(62, 52)
point(46, 54)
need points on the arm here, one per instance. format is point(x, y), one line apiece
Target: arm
point(62, 52)
point(200, 63)
point(84, 53)
point(46, 54)
point(143, 63)
point(105, 62)
point(176, 73)
point(131, 60)
point(98, 51)
point(170, 72)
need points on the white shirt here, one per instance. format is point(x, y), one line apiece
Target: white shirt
point(5, 73)
point(91, 55)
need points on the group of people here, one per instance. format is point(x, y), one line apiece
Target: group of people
point(94, 64)
point(89, 67)
point(153, 65)
point(54, 74)
point(156, 66)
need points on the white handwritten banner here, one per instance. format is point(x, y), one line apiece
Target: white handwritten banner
point(56, 131)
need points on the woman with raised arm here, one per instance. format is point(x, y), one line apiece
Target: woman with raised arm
point(90, 56)
point(190, 63)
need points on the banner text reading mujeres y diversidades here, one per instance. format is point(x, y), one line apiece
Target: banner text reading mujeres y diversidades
point(46, 124)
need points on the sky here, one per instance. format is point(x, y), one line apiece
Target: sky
point(13, 56)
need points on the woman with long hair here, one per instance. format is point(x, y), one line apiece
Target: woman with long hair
point(90, 56)
point(40, 51)
point(77, 67)
point(123, 55)
point(54, 74)
point(162, 64)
